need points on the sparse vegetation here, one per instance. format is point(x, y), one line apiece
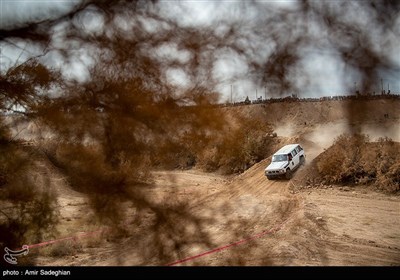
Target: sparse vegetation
point(27, 196)
point(353, 159)
point(65, 248)
point(236, 148)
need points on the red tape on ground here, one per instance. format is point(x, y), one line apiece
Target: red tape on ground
point(255, 236)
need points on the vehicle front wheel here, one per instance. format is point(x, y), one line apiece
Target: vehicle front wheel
point(288, 174)
point(302, 160)
point(269, 177)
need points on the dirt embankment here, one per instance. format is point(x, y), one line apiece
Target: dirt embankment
point(314, 113)
point(315, 226)
point(316, 125)
point(325, 226)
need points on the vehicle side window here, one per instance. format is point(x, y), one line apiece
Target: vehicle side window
point(294, 153)
point(297, 149)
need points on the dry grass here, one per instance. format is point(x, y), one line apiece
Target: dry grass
point(238, 147)
point(354, 160)
point(65, 248)
point(29, 205)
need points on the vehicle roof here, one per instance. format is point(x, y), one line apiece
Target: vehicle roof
point(286, 149)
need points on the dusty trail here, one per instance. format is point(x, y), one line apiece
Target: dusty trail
point(320, 226)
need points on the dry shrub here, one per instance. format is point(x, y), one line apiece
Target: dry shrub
point(340, 162)
point(88, 171)
point(105, 147)
point(209, 159)
point(94, 241)
point(188, 132)
point(133, 115)
point(236, 148)
point(65, 248)
point(387, 164)
point(353, 159)
point(27, 196)
point(173, 155)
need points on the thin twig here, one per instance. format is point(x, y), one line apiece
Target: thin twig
point(5, 214)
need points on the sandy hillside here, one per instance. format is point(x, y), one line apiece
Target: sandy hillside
point(277, 224)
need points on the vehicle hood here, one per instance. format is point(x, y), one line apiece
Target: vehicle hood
point(276, 165)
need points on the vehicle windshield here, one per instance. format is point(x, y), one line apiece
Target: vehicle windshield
point(279, 158)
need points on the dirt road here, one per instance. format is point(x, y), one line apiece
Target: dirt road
point(317, 227)
point(325, 226)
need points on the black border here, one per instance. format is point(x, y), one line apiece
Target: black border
point(138, 272)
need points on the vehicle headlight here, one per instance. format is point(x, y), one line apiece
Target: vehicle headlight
point(282, 171)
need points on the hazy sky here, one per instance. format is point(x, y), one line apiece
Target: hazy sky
point(327, 73)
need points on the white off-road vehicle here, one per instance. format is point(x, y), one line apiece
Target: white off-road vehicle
point(285, 161)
